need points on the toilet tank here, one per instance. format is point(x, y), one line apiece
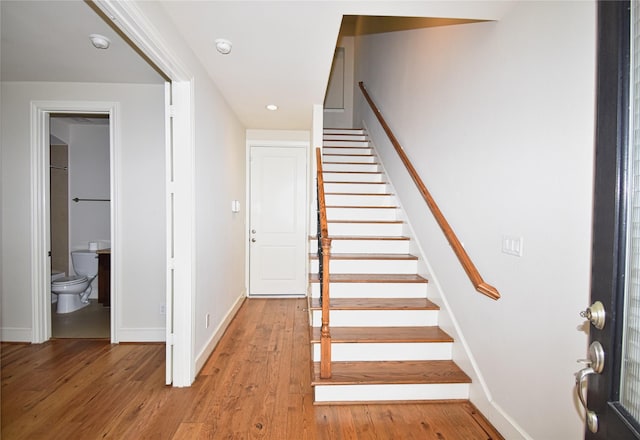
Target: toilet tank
point(85, 262)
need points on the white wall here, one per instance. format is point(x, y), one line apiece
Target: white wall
point(220, 233)
point(219, 177)
point(140, 165)
point(89, 178)
point(343, 118)
point(498, 119)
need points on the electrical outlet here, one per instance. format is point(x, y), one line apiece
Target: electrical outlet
point(163, 309)
point(206, 320)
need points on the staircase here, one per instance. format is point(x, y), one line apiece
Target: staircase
point(386, 343)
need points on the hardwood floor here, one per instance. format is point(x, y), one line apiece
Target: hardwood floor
point(255, 385)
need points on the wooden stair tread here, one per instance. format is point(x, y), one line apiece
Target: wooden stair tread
point(352, 172)
point(383, 334)
point(349, 163)
point(391, 372)
point(334, 256)
point(351, 183)
point(370, 278)
point(360, 207)
point(343, 154)
point(365, 221)
point(376, 304)
point(366, 237)
point(357, 194)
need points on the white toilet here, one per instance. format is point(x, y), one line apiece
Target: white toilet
point(73, 292)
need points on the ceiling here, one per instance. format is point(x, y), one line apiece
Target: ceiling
point(282, 50)
point(49, 41)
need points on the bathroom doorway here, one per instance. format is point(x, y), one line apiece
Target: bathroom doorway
point(80, 217)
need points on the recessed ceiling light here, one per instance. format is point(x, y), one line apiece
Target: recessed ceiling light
point(99, 41)
point(223, 46)
point(272, 107)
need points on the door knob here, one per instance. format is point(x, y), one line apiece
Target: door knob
point(592, 417)
point(253, 240)
point(595, 314)
point(595, 365)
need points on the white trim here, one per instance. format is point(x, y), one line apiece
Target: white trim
point(40, 233)
point(169, 270)
point(127, 17)
point(132, 22)
point(206, 351)
point(183, 237)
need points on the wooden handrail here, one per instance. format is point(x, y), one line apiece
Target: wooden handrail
point(324, 247)
point(463, 257)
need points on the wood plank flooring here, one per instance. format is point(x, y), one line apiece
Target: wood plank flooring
point(256, 385)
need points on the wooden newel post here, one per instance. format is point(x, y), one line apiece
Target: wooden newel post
point(325, 333)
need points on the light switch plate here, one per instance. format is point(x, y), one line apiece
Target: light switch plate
point(512, 245)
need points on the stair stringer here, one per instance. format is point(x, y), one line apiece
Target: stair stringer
point(479, 392)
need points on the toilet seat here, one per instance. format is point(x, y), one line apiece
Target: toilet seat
point(70, 281)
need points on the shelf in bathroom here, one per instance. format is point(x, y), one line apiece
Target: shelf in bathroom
point(103, 251)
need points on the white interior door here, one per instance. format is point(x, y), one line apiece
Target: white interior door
point(277, 226)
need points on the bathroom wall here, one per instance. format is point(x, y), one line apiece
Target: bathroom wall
point(140, 161)
point(59, 206)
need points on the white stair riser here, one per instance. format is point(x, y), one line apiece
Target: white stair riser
point(352, 177)
point(365, 246)
point(343, 131)
point(353, 150)
point(348, 159)
point(377, 318)
point(343, 136)
point(390, 351)
point(373, 290)
point(358, 188)
point(341, 143)
point(371, 214)
point(360, 167)
point(369, 266)
point(366, 229)
point(359, 200)
point(370, 393)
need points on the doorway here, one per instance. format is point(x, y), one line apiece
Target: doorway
point(80, 218)
point(41, 115)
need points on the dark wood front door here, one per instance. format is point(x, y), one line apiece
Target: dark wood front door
point(613, 396)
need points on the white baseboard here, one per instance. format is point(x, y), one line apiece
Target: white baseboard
point(202, 357)
point(12, 334)
point(142, 335)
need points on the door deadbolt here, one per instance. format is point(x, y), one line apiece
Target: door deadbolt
point(595, 314)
